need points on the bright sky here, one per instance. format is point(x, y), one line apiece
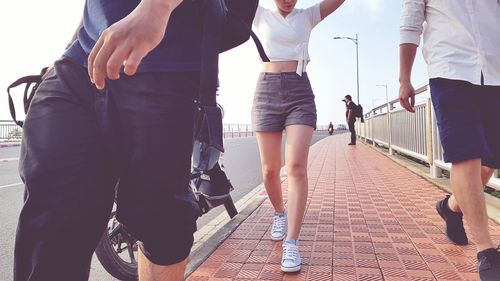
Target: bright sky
point(34, 34)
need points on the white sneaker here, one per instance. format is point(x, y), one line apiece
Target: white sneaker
point(279, 229)
point(291, 257)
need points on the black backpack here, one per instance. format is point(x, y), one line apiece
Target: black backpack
point(358, 112)
point(238, 25)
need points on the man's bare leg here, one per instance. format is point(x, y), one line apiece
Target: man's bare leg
point(149, 271)
point(467, 186)
point(486, 174)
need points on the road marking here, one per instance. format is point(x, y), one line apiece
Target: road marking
point(10, 185)
point(9, 159)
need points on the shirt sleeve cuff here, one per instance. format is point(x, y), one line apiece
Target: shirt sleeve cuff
point(410, 37)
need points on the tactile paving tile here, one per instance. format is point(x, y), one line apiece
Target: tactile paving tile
point(364, 221)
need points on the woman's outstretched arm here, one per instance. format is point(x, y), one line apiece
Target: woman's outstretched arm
point(329, 6)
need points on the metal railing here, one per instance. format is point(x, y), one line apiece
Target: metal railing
point(9, 131)
point(245, 130)
point(238, 130)
point(411, 134)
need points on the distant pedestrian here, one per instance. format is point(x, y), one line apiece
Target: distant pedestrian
point(350, 116)
point(462, 50)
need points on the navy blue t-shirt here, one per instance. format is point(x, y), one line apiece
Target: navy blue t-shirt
point(180, 49)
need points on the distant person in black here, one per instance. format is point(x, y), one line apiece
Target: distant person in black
point(330, 128)
point(349, 115)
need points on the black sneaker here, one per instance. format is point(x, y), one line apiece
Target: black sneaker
point(351, 143)
point(488, 264)
point(454, 222)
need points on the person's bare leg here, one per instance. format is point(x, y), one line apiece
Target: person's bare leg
point(149, 271)
point(486, 174)
point(298, 140)
point(467, 187)
point(270, 159)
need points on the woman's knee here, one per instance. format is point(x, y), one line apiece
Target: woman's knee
point(296, 170)
point(270, 173)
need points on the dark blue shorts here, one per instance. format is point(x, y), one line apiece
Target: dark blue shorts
point(78, 142)
point(468, 118)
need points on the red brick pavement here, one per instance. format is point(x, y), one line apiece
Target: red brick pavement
point(367, 218)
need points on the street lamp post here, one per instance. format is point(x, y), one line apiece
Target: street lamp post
point(355, 40)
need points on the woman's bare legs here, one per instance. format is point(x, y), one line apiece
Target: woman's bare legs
point(270, 159)
point(298, 140)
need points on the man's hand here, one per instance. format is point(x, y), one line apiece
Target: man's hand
point(407, 96)
point(129, 40)
point(407, 54)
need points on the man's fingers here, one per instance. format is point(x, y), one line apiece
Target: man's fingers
point(408, 105)
point(115, 62)
point(133, 61)
point(405, 104)
point(407, 98)
point(100, 65)
point(92, 56)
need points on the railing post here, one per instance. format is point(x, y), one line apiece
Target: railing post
point(368, 129)
point(372, 129)
point(432, 141)
point(428, 132)
point(389, 129)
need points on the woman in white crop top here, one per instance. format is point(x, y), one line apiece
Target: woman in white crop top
point(284, 101)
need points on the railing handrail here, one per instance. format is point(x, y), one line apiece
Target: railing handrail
point(418, 91)
point(410, 134)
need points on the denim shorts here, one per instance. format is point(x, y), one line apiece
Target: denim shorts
point(79, 143)
point(281, 100)
point(468, 119)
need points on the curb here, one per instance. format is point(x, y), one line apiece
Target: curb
point(198, 256)
point(8, 159)
point(10, 144)
point(212, 235)
point(209, 237)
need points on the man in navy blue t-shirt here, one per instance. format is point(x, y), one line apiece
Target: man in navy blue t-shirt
point(116, 111)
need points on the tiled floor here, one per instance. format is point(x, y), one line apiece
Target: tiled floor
point(367, 218)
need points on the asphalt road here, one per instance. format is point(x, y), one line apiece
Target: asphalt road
point(242, 167)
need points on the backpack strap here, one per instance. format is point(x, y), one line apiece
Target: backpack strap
point(28, 95)
point(209, 115)
point(212, 23)
point(255, 39)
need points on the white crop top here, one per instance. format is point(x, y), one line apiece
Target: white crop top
point(287, 39)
